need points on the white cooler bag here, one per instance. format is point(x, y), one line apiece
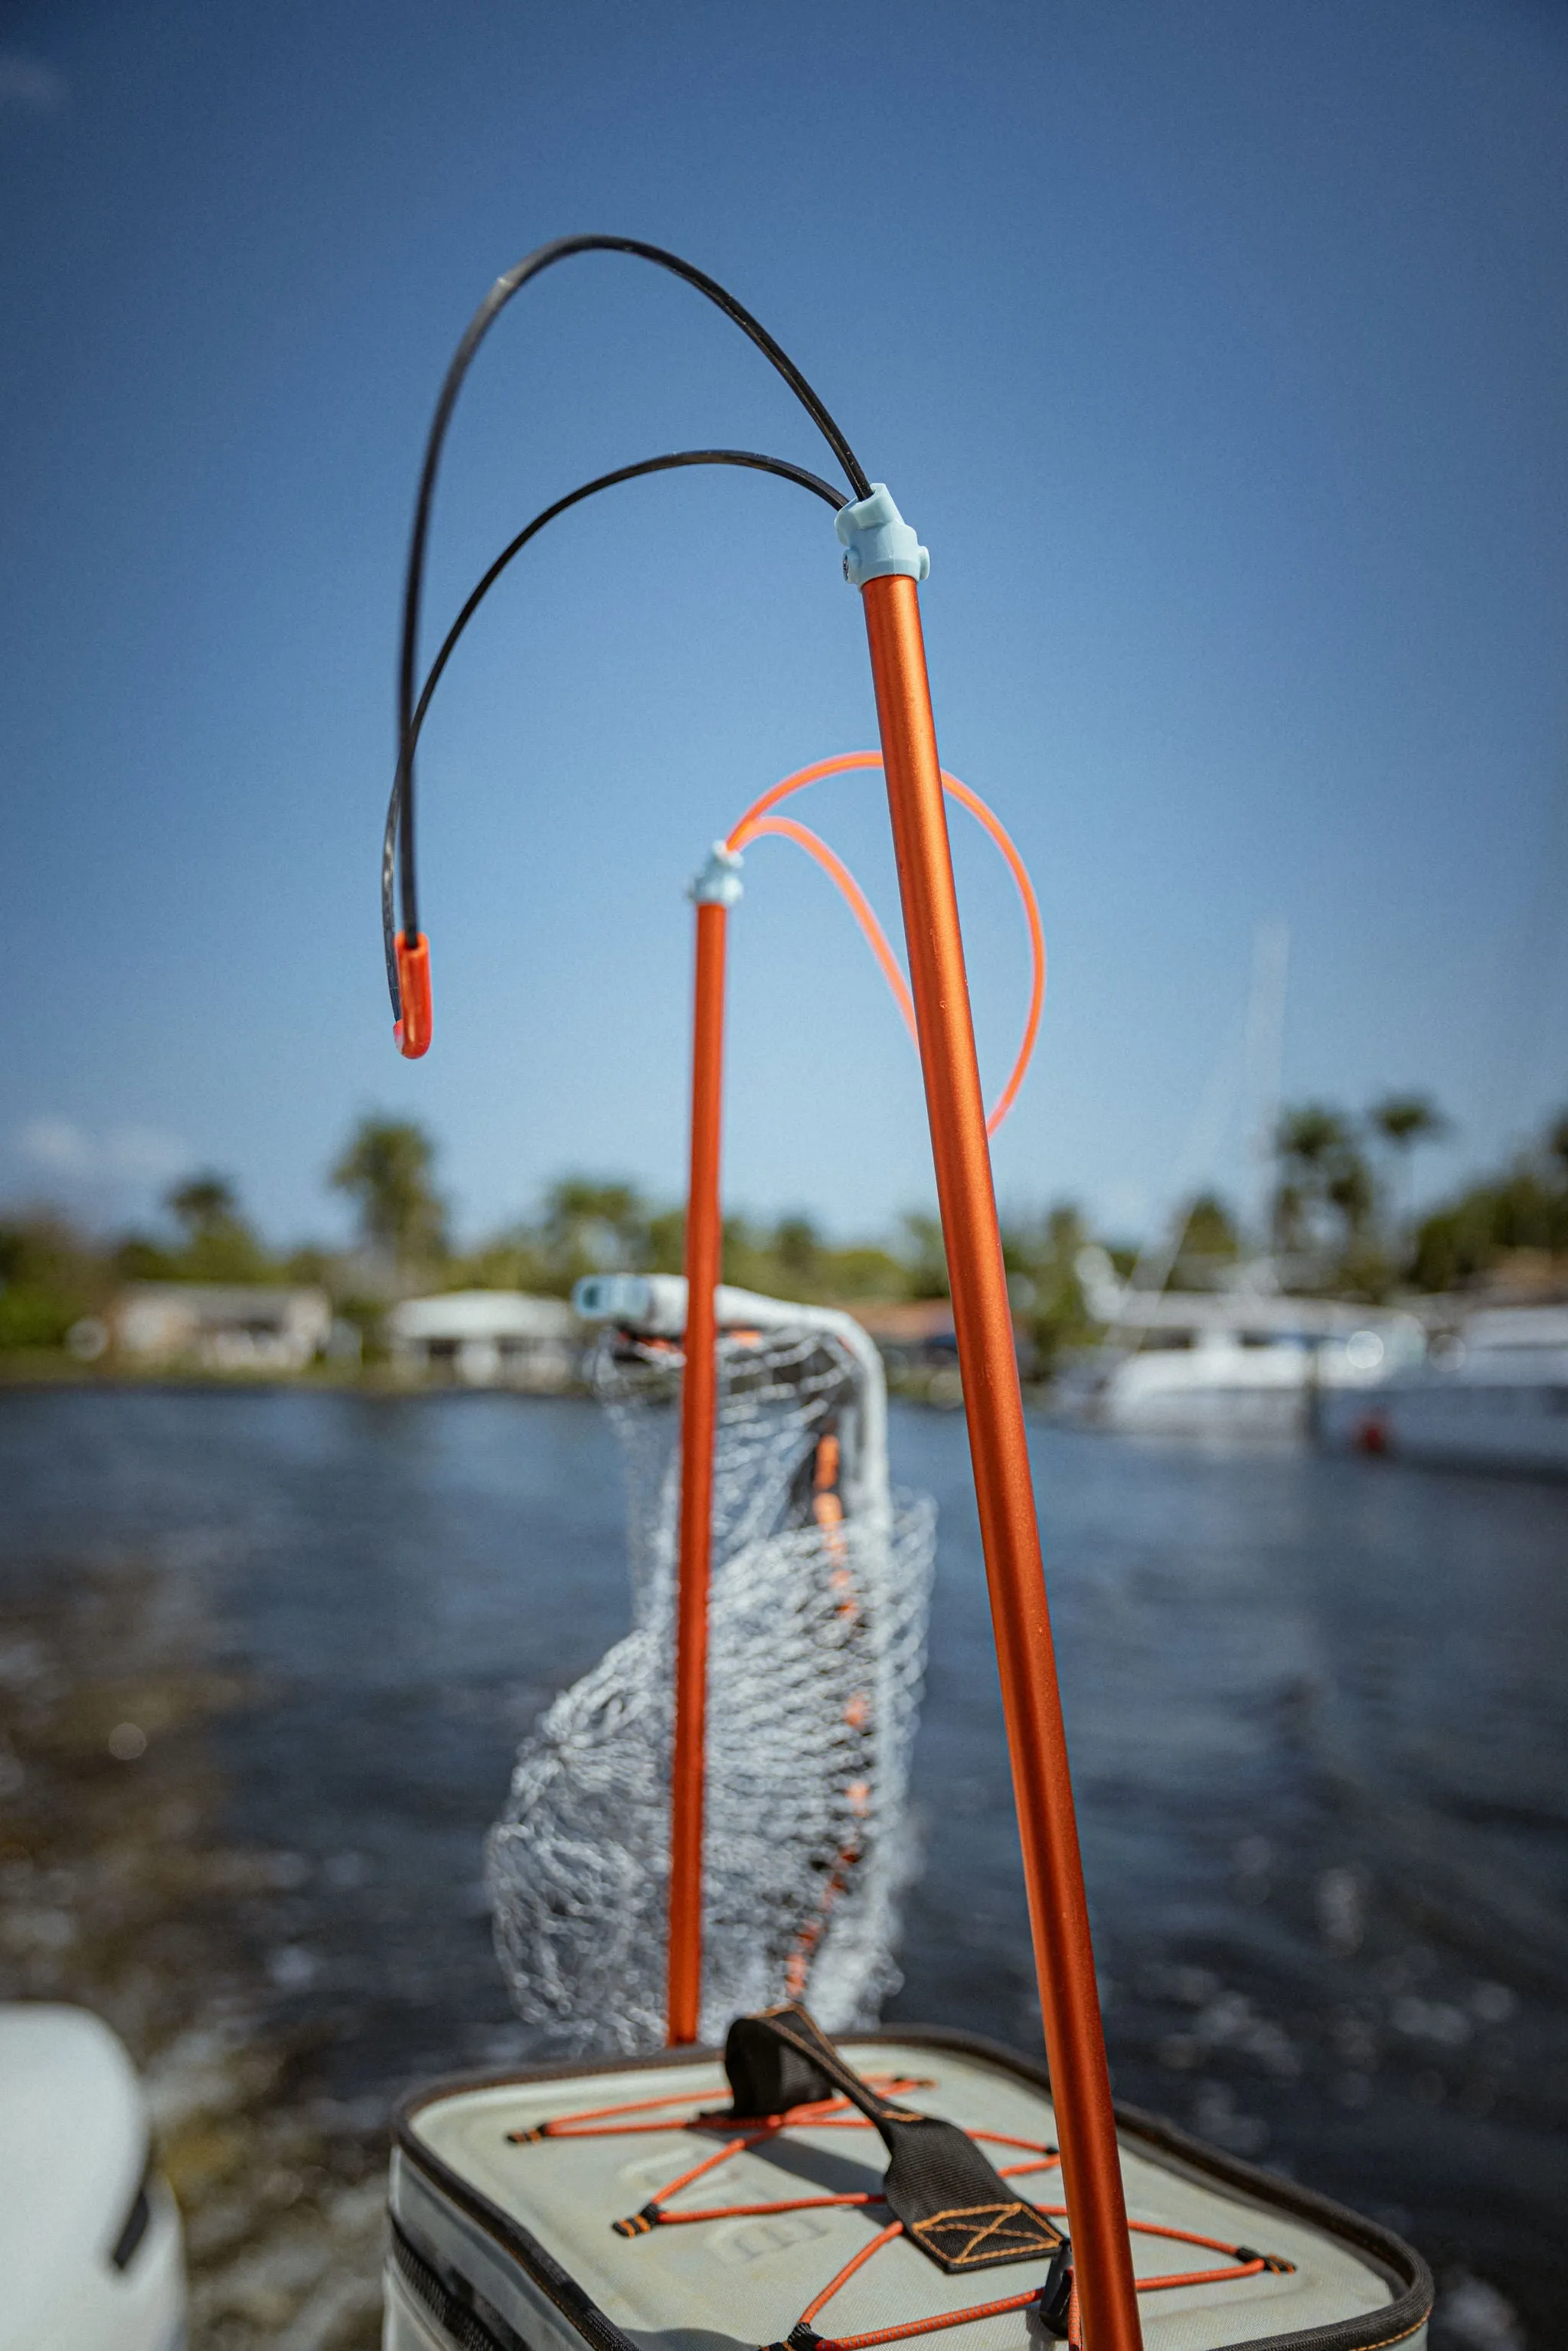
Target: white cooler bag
point(802, 2194)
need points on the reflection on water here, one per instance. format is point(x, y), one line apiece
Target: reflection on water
point(263, 1660)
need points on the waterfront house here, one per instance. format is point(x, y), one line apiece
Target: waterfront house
point(219, 1326)
point(487, 1339)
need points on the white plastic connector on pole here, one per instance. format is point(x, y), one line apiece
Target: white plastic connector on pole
point(718, 884)
point(654, 1306)
point(654, 1302)
point(878, 542)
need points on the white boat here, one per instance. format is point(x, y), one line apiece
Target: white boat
point(1227, 1364)
point(1494, 1397)
point(90, 2255)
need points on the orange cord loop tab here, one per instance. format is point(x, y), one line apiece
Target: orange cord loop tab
point(413, 1030)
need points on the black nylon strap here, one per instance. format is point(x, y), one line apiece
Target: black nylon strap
point(952, 2202)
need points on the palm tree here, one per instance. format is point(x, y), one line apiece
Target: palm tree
point(798, 1246)
point(1310, 1136)
point(219, 1244)
point(1322, 1166)
point(1401, 1122)
point(386, 1169)
point(204, 1202)
point(594, 1225)
point(926, 1254)
point(1207, 1234)
point(1557, 1139)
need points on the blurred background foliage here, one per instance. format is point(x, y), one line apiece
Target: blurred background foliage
point(1341, 1222)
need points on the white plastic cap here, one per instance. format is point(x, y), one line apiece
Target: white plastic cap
point(718, 884)
point(655, 1302)
point(878, 542)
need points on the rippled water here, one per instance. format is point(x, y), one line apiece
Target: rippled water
point(1317, 1712)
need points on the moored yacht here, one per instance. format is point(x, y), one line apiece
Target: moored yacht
point(1242, 1363)
point(1495, 1395)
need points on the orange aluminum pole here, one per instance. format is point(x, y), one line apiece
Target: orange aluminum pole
point(1053, 1870)
point(698, 1414)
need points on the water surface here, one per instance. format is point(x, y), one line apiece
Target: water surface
point(1317, 1712)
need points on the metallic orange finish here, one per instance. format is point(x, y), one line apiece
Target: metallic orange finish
point(699, 1399)
point(1059, 1916)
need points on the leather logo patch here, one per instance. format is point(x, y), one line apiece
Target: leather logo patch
point(982, 2236)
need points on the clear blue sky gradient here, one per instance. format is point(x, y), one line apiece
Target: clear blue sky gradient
point(1218, 353)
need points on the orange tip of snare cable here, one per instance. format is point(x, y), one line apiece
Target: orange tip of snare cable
point(413, 1030)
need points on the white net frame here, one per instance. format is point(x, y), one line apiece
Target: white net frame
point(819, 1599)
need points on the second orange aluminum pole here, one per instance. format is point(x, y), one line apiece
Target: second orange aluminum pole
point(982, 1317)
point(699, 1404)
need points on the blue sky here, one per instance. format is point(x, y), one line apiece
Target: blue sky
point(1217, 352)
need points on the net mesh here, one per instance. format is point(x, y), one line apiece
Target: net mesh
point(820, 1582)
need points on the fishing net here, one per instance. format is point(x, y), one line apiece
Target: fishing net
point(820, 1581)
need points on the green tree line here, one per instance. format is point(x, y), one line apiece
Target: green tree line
point(1343, 1215)
point(52, 1275)
point(1342, 1219)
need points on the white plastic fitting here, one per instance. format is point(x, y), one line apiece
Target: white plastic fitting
point(878, 542)
point(718, 884)
point(651, 1302)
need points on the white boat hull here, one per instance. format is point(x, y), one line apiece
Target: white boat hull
point(1246, 1415)
point(91, 2252)
point(1463, 1423)
point(1222, 1390)
point(1497, 1400)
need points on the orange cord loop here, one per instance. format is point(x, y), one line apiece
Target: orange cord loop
point(759, 820)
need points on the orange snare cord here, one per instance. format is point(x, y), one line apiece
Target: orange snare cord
point(859, 903)
point(759, 820)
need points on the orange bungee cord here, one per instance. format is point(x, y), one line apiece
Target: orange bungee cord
point(653, 2116)
point(715, 890)
point(884, 563)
